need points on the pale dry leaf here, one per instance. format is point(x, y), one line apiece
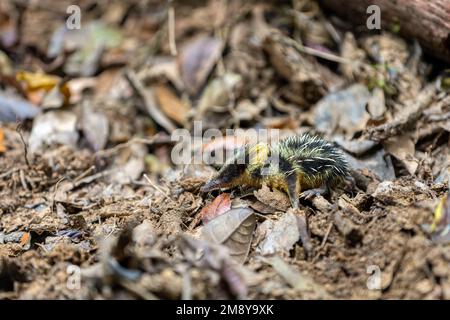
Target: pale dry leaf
point(278, 236)
point(95, 127)
point(296, 279)
point(343, 111)
point(403, 149)
point(273, 198)
point(218, 92)
point(55, 127)
point(197, 60)
point(376, 105)
point(234, 229)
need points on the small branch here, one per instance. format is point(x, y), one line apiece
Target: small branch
point(171, 27)
point(317, 53)
point(158, 189)
point(25, 147)
point(157, 139)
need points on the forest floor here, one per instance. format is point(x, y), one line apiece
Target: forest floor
point(92, 205)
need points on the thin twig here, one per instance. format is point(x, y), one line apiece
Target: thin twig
point(25, 147)
point(317, 53)
point(171, 27)
point(92, 178)
point(154, 140)
point(84, 174)
point(158, 188)
point(325, 238)
point(52, 206)
point(3, 175)
point(22, 180)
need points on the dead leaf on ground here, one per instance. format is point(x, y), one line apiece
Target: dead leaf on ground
point(52, 128)
point(440, 228)
point(257, 205)
point(36, 81)
point(171, 105)
point(95, 127)
point(44, 89)
point(25, 240)
point(218, 93)
point(14, 108)
point(378, 163)
point(273, 198)
point(376, 105)
point(163, 67)
point(77, 86)
point(403, 149)
point(279, 235)
point(90, 42)
point(343, 111)
point(296, 279)
point(197, 60)
point(220, 149)
point(129, 164)
point(219, 206)
point(6, 68)
point(224, 142)
point(234, 229)
point(2, 141)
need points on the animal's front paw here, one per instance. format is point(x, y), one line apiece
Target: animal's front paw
point(309, 194)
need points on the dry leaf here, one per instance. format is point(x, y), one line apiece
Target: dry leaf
point(55, 127)
point(171, 105)
point(6, 68)
point(150, 104)
point(219, 206)
point(379, 163)
point(234, 229)
point(2, 141)
point(343, 111)
point(95, 127)
point(78, 85)
point(89, 43)
point(440, 228)
point(197, 60)
point(376, 105)
point(403, 149)
point(14, 108)
point(44, 88)
point(218, 92)
point(163, 67)
point(278, 236)
point(37, 81)
point(261, 207)
point(25, 240)
point(295, 279)
point(273, 198)
point(442, 213)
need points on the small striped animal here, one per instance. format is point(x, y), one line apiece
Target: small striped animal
point(301, 166)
